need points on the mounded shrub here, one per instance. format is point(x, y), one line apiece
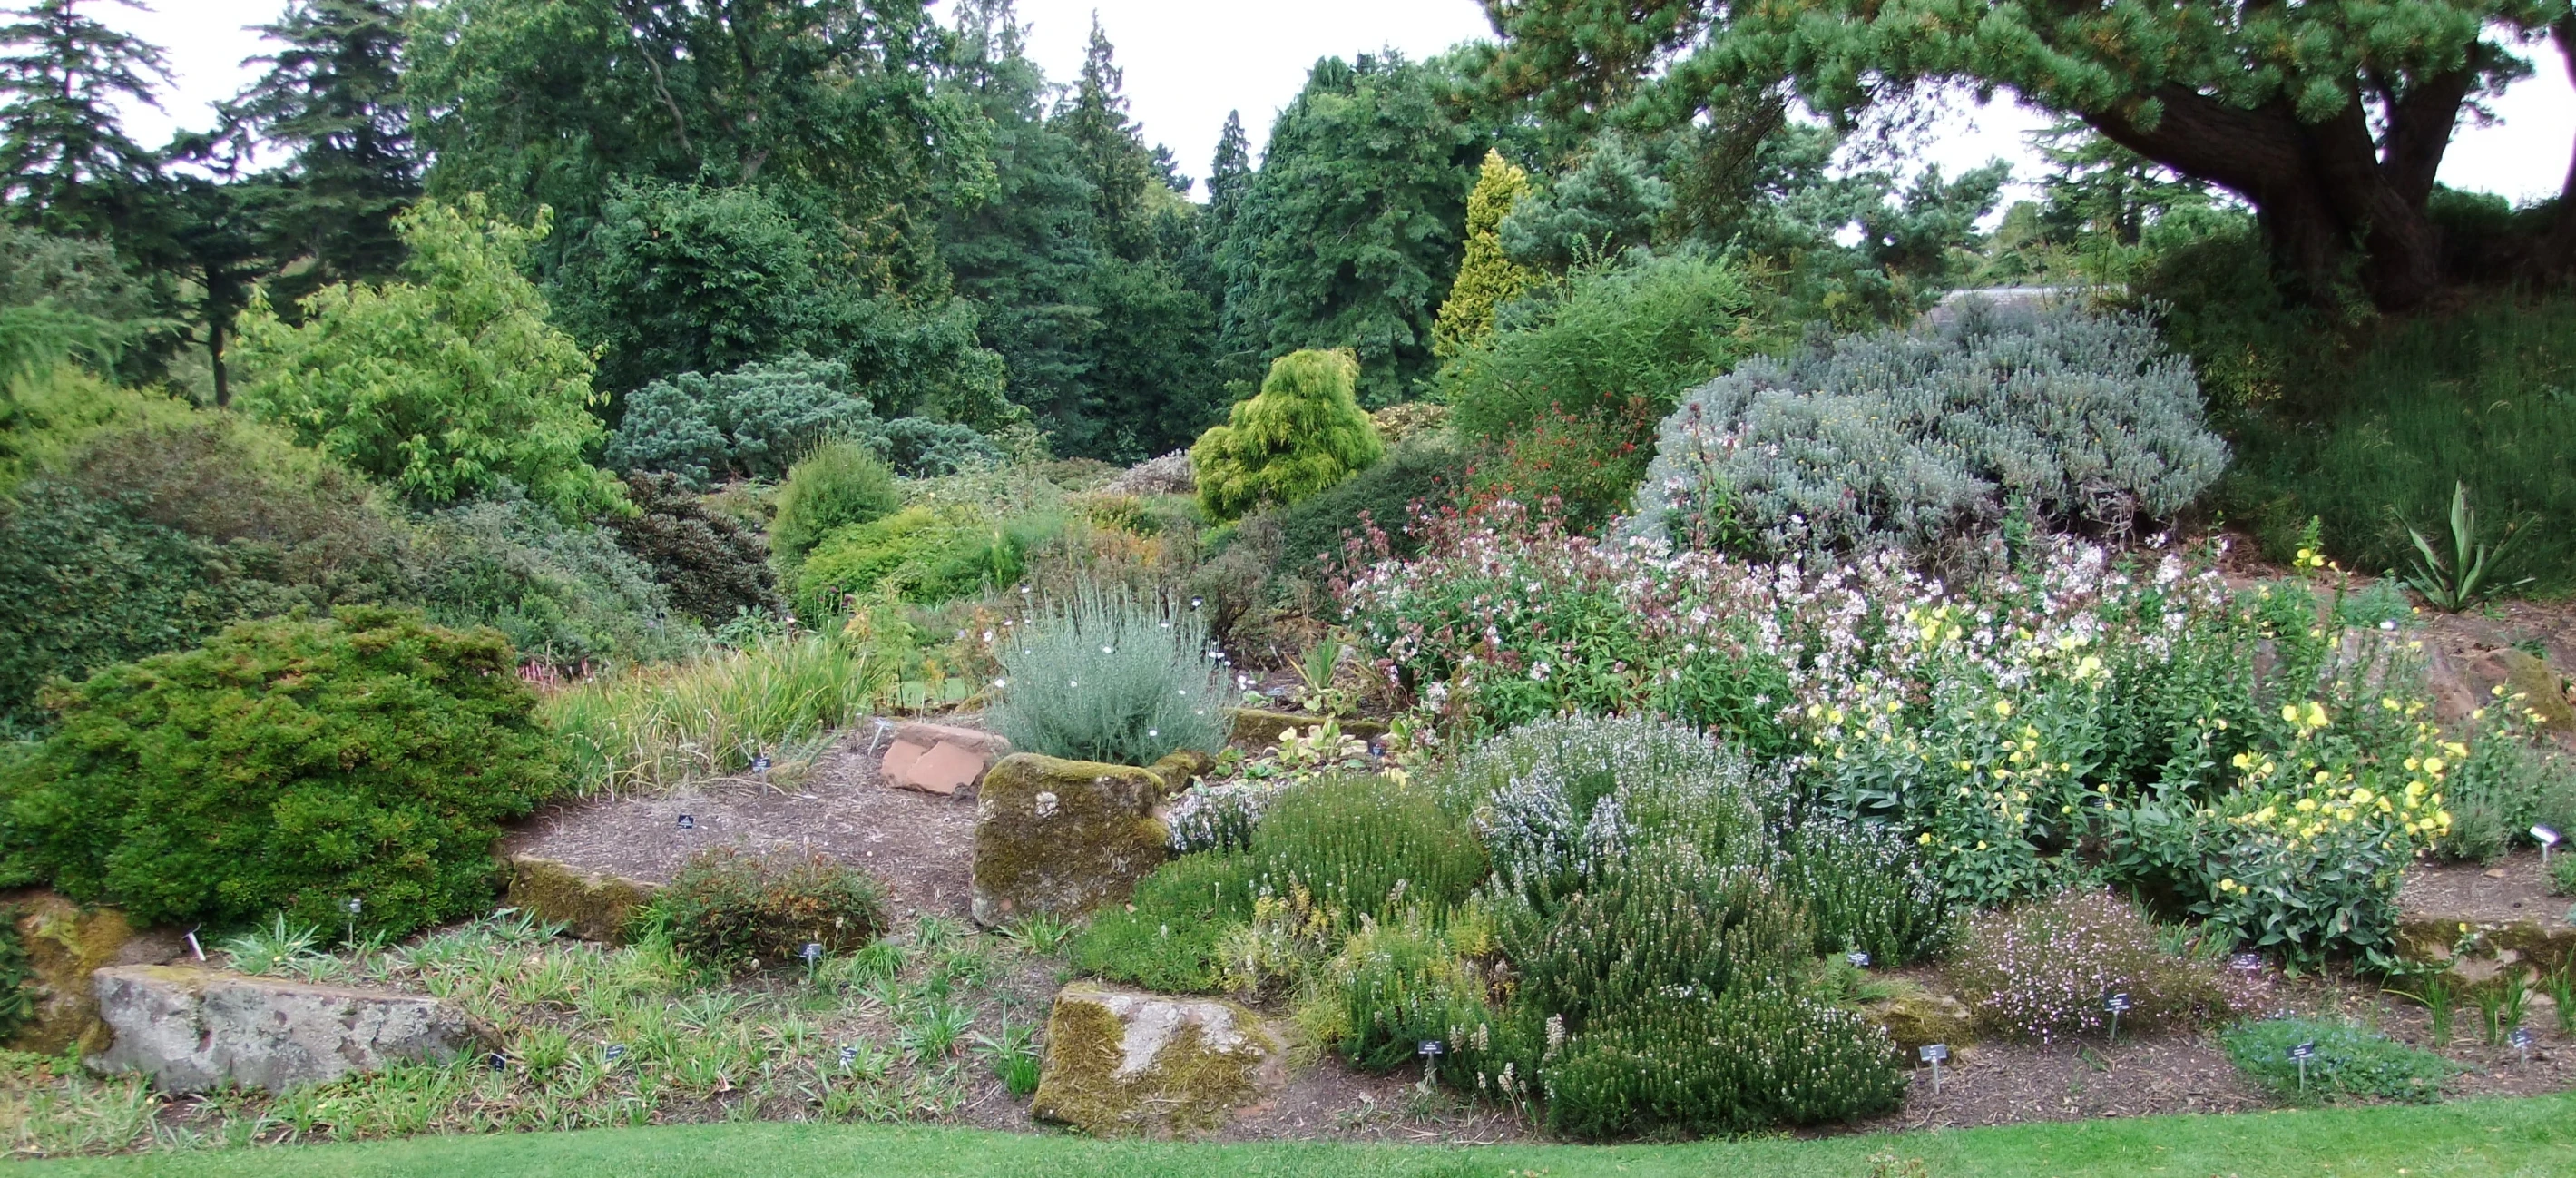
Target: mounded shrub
point(1401, 984)
point(560, 592)
point(17, 975)
point(735, 910)
point(920, 448)
point(1304, 433)
point(1663, 922)
point(1167, 936)
point(753, 422)
point(2044, 969)
point(286, 766)
point(1110, 675)
point(1923, 440)
point(1864, 888)
point(2350, 1060)
point(1366, 846)
point(921, 555)
point(1751, 1058)
point(712, 566)
point(840, 484)
point(1427, 472)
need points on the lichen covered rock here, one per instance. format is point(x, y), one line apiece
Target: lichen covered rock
point(589, 906)
point(66, 943)
point(2540, 690)
point(1125, 1063)
point(2476, 951)
point(1255, 728)
point(195, 1029)
point(1065, 837)
point(1915, 1017)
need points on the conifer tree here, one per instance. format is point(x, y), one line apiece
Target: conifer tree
point(1230, 173)
point(66, 164)
point(1486, 278)
point(1301, 436)
point(332, 99)
point(1109, 147)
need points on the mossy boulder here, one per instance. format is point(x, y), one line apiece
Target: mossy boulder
point(1064, 837)
point(1256, 728)
point(590, 906)
point(1915, 1017)
point(2476, 951)
point(66, 943)
point(1123, 1063)
point(2540, 690)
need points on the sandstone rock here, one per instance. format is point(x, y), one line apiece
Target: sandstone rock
point(940, 759)
point(1256, 729)
point(589, 906)
point(2494, 947)
point(193, 1029)
point(1122, 1062)
point(65, 944)
point(1063, 837)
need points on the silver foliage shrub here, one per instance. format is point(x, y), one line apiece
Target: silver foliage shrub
point(1110, 675)
point(1558, 800)
point(1918, 439)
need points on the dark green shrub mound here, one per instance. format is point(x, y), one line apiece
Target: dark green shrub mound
point(734, 910)
point(752, 422)
point(2349, 1060)
point(86, 582)
point(1166, 936)
point(1425, 471)
point(1365, 846)
point(1865, 889)
point(287, 765)
point(17, 997)
point(1662, 922)
point(1752, 1058)
point(563, 592)
point(712, 566)
point(840, 485)
point(920, 448)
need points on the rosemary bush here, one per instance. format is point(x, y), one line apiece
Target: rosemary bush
point(1110, 675)
point(1750, 1058)
point(1663, 924)
point(1865, 889)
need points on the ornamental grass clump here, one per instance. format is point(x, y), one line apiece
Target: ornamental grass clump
point(1110, 675)
point(2046, 970)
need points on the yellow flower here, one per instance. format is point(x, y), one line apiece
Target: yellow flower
point(1926, 840)
point(2227, 885)
point(2433, 764)
point(2003, 707)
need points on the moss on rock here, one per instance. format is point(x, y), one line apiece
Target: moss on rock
point(1255, 728)
point(1124, 1063)
point(591, 907)
point(65, 944)
point(1915, 1017)
point(1065, 837)
point(2532, 679)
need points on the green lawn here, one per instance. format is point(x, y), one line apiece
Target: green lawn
point(2534, 1137)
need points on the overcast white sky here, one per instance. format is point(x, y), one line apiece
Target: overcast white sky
point(1190, 61)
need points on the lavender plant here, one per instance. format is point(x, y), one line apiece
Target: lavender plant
point(1107, 675)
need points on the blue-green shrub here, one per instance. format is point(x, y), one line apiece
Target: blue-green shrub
point(1108, 675)
point(557, 591)
point(2350, 1060)
point(1922, 439)
point(752, 422)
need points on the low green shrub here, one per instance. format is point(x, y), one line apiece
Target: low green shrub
point(1365, 846)
point(287, 765)
point(1747, 1059)
point(2349, 1060)
point(1167, 936)
point(1107, 675)
point(1663, 922)
point(1402, 984)
point(1425, 473)
point(735, 910)
point(711, 565)
point(1927, 440)
point(1864, 889)
point(920, 555)
point(920, 448)
point(2044, 970)
point(562, 593)
point(841, 484)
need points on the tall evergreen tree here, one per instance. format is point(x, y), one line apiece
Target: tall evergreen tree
point(1349, 235)
point(66, 164)
point(1109, 148)
point(332, 99)
point(1230, 173)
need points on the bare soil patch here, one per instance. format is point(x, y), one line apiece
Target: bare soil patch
point(2513, 889)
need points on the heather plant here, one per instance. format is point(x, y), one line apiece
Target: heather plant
point(288, 765)
point(1721, 1063)
point(733, 909)
point(1918, 440)
point(1109, 675)
point(1365, 846)
point(2043, 970)
point(1666, 922)
point(840, 484)
point(1303, 434)
point(2348, 1060)
point(1559, 801)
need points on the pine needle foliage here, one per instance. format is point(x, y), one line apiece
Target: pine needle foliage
point(1109, 674)
point(1303, 434)
point(1487, 278)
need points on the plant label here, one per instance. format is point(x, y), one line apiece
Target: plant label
point(760, 764)
point(1934, 1052)
point(194, 947)
point(2304, 1051)
point(616, 1052)
point(1429, 1047)
point(849, 1055)
point(497, 1062)
point(688, 823)
point(2548, 839)
point(812, 952)
point(1858, 959)
point(354, 905)
point(2246, 963)
point(2116, 1003)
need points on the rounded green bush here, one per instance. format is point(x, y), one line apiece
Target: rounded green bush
point(289, 766)
point(735, 910)
point(1304, 433)
point(1363, 845)
point(917, 555)
point(841, 484)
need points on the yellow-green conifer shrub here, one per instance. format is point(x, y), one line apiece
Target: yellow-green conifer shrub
point(1486, 278)
point(1302, 435)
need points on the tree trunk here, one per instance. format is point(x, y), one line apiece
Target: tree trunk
point(2336, 204)
point(215, 358)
